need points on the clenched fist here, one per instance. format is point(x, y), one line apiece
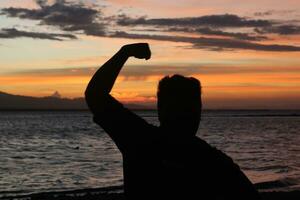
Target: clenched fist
point(137, 50)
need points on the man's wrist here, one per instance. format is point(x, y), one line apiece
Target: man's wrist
point(124, 51)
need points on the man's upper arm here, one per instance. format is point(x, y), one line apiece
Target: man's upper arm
point(125, 127)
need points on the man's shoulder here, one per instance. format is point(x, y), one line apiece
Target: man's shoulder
point(200, 144)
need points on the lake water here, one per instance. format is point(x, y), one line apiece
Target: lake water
point(54, 151)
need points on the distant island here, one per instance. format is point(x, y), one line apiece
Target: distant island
point(53, 102)
point(11, 102)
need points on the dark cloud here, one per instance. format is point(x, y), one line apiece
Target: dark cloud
point(265, 13)
point(226, 20)
point(273, 12)
point(66, 16)
point(14, 33)
point(240, 36)
point(221, 44)
point(41, 3)
point(281, 30)
point(217, 32)
point(206, 25)
point(211, 43)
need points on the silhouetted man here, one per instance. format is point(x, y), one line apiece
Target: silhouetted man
point(168, 161)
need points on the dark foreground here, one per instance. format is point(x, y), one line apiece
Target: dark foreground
point(116, 193)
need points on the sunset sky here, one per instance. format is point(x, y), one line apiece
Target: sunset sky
point(245, 53)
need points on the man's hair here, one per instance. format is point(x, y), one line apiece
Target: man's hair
point(179, 94)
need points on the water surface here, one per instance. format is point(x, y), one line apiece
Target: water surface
point(53, 151)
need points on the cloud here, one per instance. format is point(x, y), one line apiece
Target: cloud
point(189, 70)
point(66, 16)
point(78, 18)
point(14, 33)
point(211, 43)
point(217, 32)
point(210, 25)
point(273, 12)
point(41, 3)
point(238, 44)
point(139, 72)
point(281, 30)
point(225, 20)
point(265, 13)
point(240, 36)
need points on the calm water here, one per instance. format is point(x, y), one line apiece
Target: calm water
point(52, 151)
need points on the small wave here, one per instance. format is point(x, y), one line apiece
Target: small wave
point(281, 168)
point(258, 115)
point(281, 183)
point(13, 193)
point(43, 194)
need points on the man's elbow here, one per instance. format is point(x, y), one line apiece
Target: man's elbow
point(95, 101)
point(88, 96)
point(90, 99)
point(91, 94)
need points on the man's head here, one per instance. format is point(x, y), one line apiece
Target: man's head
point(179, 103)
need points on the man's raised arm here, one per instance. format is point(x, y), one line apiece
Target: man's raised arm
point(103, 80)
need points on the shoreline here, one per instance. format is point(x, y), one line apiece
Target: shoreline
point(116, 193)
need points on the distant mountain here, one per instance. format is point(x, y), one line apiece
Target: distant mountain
point(54, 102)
point(56, 95)
point(17, 102)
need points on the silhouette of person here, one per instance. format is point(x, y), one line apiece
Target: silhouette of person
point(168, 161)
